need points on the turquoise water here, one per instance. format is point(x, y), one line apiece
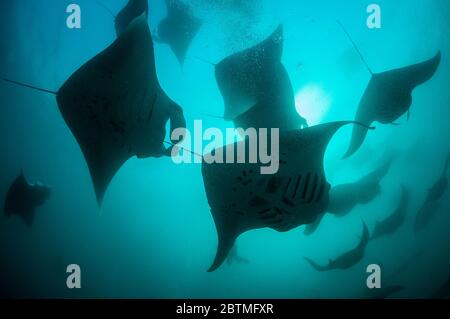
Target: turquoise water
point(154, 236)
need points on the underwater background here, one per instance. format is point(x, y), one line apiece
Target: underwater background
point(154, 236)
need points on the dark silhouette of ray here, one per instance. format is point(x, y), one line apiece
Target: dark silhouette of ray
point(178, 29)
point(131, 11)
point(393, 222)
point(116, 108)
point(256, 88)
point(388, 95)
point(23, 198)
point(429, 208)
point(347, 259)
point(344, 198)
point(241, 199)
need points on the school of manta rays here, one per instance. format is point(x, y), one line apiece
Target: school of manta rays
point(116, 109)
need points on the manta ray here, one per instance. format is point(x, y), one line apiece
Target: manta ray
point(23, 198)
point(429, 208)
point(256, 88)
point(393, 222)
point(115, 106)
point(178, 29)
point(345, 197)
point(388, 95)
point(241, 199)
point(347, 259)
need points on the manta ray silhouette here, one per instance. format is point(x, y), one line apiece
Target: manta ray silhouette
point(178, 29)
point(388, 95)
point(256, 88)
point(429, 208)
point(241, 199)
point(347, 259)
point(116, 108)
point(393, 222)
point(345, 197)
point(23, 198)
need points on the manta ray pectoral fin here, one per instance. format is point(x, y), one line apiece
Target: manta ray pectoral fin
point(227, 236)
point(311, 228)
point(421, 72)
point(315, 265)
point(177, 122)
point(324, 132)
point(359, 131)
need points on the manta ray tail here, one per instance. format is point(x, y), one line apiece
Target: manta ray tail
point(205, 61)
point(356, 47)
point(30, 86)
point(315, 265)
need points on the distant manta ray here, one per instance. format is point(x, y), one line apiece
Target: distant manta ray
point(347, 259)
point(23, 198)
point(241, 199)
point(256, 88)
point(345, 197)
point(116, 108)
point(178, 29)
point(429, 208)
point(393, 222)
point(388, 95)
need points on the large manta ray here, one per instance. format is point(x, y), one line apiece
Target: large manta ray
point(429, 208)
point(178, 29)
point(388, 95)
point(241, 199)
point(116, 108)
point(256, 88)
point(348, 259)
point(23, 198)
